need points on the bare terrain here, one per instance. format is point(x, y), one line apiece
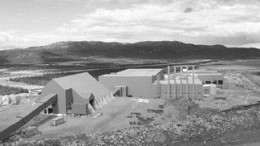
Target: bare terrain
point(114, 117)
point(234, 121)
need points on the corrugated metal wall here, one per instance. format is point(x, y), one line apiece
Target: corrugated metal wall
point(179, 91)
point(138, 86)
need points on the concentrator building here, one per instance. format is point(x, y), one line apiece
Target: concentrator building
point(151, 83)
point(159, 83)
point(76, 94)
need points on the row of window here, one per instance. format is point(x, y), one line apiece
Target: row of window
point(219, 82)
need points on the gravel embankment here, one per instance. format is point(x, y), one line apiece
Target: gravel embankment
point(201, 126)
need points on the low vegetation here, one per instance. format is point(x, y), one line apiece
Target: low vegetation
point(140, 119)
point(6, 90)
point(157, 111)
point(45, 78)
point(41, 79)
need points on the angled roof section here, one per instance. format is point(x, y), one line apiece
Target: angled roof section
point(82, 83)
point(46, 98)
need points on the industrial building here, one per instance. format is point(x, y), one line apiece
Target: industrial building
point(77, 94)
point(152, 83)
point(133, 82)
point(179, 87)
point(161, 83)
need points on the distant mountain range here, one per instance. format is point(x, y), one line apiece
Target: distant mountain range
point(80, 51)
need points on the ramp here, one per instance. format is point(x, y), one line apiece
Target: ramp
point(27, 115)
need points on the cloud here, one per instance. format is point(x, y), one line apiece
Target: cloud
point(227, 22)
point(16, 39)
point(254, 45)
point(156, 22)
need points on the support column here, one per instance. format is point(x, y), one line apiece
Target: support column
point(182, 94)
point(158, 86)
point(175, 84)
point(187, 82)
point(169, 86)
point(193, 86)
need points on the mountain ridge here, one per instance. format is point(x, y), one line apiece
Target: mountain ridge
point(77, 50)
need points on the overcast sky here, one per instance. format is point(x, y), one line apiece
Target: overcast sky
point(26, 23)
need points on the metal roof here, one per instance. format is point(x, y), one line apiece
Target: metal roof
point(136, 72)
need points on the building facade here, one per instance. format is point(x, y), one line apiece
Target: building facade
point(77, 94)
point(138, 82)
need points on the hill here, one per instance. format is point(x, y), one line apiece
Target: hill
point(81, 51)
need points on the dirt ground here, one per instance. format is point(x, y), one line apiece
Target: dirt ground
point(114, 117)
point(122, 111)
point(242, 84)
point(254, 78)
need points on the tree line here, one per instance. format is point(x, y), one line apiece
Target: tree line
point(7, 90)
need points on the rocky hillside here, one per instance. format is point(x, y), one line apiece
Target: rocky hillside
point(202, 127)
point(81, 51)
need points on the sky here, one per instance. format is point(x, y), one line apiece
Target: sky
point(25, 23)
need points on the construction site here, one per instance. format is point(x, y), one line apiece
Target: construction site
point(105, 104)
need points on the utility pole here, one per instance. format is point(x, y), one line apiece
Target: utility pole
point(169, 86)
